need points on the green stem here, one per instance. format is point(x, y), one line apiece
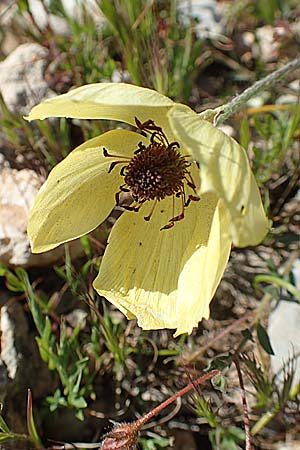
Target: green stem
point(263, 421)
point(264, 303)
point(269, 415)
point(225, 111)
point(272, 279)
point(5, 437)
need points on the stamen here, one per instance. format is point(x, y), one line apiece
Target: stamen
point(147, 218)
point(156, 132)
point(180, 216)
point(117, 195)
point(114, 164)
point(168, 226)
point(123, 170)
point(190, 182)
point(109, 155)
point(132, 208)
point(157, 135)
point(191, 198)
point(141, 148)
point(174, 144)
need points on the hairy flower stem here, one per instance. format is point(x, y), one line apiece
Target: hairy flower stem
point(223, 112)
point(124, 435)
point(141, 422)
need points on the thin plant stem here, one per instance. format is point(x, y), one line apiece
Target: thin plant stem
point(234, 327)
point(245, 406)
point(140, 422)
point(264, 303)
point(275, 280)
point(269, 415)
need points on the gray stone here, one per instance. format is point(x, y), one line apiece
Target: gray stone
point(73, 9)
point(18, 189)
point(77, 317)
point(291, 97)
point(43, 18)
point(268, 46)
point(22, 83)
point(284, 332)
point(17, 192)
point(207, 13)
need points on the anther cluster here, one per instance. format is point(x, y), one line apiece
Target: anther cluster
point(156, 172)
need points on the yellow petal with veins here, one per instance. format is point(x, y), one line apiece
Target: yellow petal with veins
point(79, 192)
point(225, 170)
point(166, 279)
point(115, 101)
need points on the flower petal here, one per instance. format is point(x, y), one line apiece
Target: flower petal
point(115, 101)
point(79, 192)
point(166, 278)
point(225, 170)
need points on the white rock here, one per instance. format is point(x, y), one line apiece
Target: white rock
point(284, 331)
point(73, 9)
point(17, 192)
point(19, 187)
point(43, 18)
point(291, 97)
point(268, 46)
point(9, 354)
point(77, 317)
point(22, 83)
point(207, 13)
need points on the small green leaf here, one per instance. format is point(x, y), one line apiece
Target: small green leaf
point(3, 426)
point(264, 339)
point(13, 283)
point(30, 423)
point(4, 437)
point(247, 335)
point(78, 402)
point(79, 415)
point(221, 362)
point(3, 270)
point(219, 382)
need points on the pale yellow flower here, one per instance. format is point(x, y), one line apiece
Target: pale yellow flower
point(165, 278)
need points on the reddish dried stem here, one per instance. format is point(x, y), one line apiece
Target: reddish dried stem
point(245, 406)
point(221, 335)
point(141, 422)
